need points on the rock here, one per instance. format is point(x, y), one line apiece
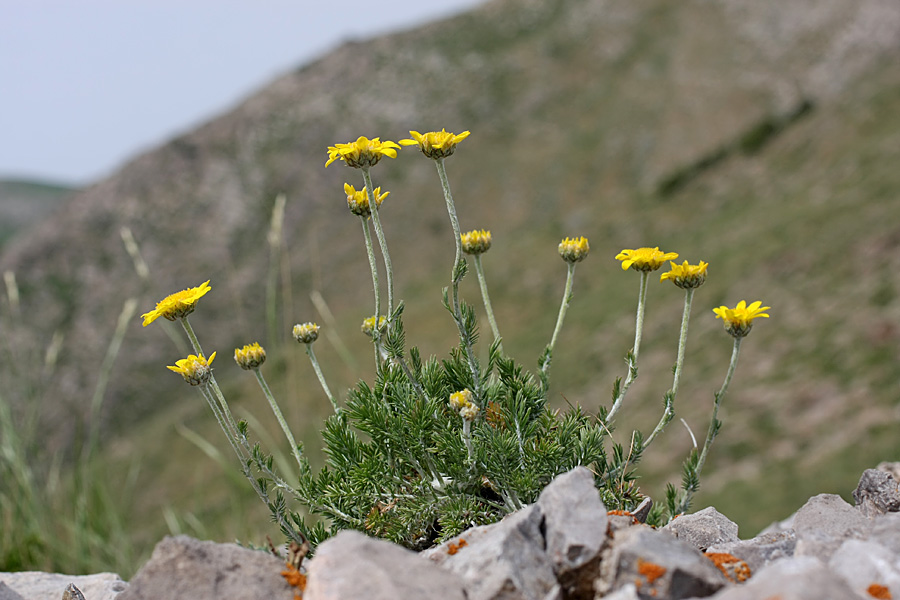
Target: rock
point(890, 467)
point(704, 528)
point(72, 593)
point(886, 532)
point(575, 525)
point(864, 564)
point(35, 585)
point(503, 560)
point(823, 523)
point(877, 493)
point(796, 578)
point(182, 567)
point(761, 550)
point(353, 565)
point(659, 564)
point(7, 593)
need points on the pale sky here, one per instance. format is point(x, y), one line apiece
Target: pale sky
point(87, 84)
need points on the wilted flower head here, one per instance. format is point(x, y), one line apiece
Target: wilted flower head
point(573, 250)
point(194, 369)
point(686, 276)
point(177, 305)
point(435, 144)
point(362, 153)
point(306, 333)
point(469, 412)
point(368, 325)
point(644, 259)
point(460, 399)
point(250, 356)
point(358, 201)
point(739, 320)
point(476, 241)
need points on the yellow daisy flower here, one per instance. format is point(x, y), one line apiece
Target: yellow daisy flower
point(573, 250)
point(177, 305)
point(251, 356)
point(686, 276)
point(358, 201)
point(739, 320)
point(644, 259)
point(195, 369)
point(476, 242)
point(362, 153)
point(435, 144)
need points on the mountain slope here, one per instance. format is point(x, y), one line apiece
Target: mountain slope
point(776, 121)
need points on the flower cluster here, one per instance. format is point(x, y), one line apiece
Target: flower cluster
point(251, 356)
point(363, 153)
point(177, 305)
point(435, 144)
point(476, 241)
point(573, 250)
point(462, 402)
point(358, 201)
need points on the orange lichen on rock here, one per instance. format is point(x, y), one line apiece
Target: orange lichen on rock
point(623, 513)
point(876, 590)
point(650, 571)
point(731, 566)
point(455, 547)
point(295, 579)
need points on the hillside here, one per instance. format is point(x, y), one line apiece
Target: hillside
point(758, 136)
point(25, 202)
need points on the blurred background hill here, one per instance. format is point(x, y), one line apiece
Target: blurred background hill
point(759, 136)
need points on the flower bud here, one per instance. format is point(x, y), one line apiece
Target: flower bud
point(195, 369)
point(476, 242)
point(306, 333)
point(573, 250)
point(250, 356)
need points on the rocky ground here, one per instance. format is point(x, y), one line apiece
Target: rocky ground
point(566, 546)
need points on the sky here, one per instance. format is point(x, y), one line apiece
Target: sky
point(87, 84)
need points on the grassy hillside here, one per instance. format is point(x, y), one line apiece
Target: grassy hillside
point(756, 136)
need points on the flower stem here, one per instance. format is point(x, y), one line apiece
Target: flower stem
point(487, 301)
point(318, 370)
point(633, 355)
point(229, 418)
point(457, 273)
point(467, 439)
point(563, 307)
point(669, 410)
point(370, 251)
point(278, 415)
point(379, 233)
point(714, 423)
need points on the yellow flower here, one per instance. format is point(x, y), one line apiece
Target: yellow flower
point(573, 250)
point(177, 305)
point(194, 369)
point(368, 325)
point(644, 259)
point(435, 144)
point(306, 333)
point(250, 356)
point(358, 201)
point(686, 276)
point(362, 153)
point(476, 242)
point(739, 320)
point(461, 399)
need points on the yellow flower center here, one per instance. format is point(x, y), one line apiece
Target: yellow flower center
point(435, 144)
point(362, 153)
